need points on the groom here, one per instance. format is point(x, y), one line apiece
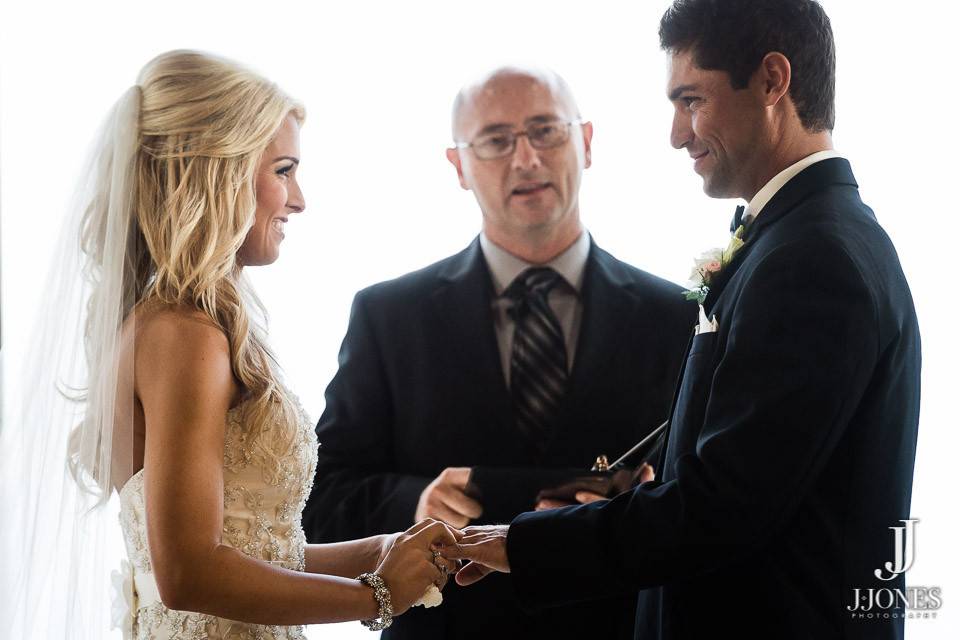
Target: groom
point(794, 427)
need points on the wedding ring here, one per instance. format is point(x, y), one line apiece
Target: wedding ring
point(437, 563)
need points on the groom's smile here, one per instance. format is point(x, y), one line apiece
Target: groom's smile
point(699, 159)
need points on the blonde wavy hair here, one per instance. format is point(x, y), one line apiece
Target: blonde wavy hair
point(203, 124)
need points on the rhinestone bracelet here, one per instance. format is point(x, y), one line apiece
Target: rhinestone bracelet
point(382, 595)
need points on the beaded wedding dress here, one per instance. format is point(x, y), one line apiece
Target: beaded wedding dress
point(264, 495)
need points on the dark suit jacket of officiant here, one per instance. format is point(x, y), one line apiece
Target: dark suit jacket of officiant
point(790, 452)
point(420, 387)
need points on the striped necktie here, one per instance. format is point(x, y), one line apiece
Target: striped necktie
point(538, 359)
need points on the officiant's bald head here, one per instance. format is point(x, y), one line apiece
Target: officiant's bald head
point(521, 148)
point(493, 84)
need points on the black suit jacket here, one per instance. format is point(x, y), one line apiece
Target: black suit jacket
point(790, 451)
point(420, 388)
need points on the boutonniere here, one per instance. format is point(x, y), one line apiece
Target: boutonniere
point(709, 265)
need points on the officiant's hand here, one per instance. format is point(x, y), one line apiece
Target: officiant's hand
point(444, 499)
point(583, 497)
point(486, 549)
point(646, 474)
point(411, 564)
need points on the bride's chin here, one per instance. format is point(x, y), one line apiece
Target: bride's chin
point(267, 255)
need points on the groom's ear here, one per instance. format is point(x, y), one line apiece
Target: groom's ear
point(453, 155)
point(773, 78)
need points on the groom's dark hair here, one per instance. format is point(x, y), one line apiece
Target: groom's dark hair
point(735, 35)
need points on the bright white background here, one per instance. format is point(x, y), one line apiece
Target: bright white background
point(378, 79)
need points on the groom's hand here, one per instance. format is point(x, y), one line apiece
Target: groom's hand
point(485, 548)
point(444, 499)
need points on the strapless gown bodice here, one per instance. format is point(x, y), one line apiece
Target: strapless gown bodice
point(263, 498)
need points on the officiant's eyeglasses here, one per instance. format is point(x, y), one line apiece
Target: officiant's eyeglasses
point(503, 142)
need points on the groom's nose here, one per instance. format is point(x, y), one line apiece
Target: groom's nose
point(681, 131)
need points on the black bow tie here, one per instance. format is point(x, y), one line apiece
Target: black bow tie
point(737, 219)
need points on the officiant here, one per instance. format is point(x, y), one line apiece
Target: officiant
point(532, 348)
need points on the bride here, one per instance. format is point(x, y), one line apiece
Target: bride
point(184, 412)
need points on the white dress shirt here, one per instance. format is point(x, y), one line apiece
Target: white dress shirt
point(564, 297)
point(759, 201)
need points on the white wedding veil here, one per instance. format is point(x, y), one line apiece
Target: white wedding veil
point(59, 536)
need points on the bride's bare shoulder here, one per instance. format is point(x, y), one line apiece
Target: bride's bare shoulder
point(162, 331)
point(178, 353)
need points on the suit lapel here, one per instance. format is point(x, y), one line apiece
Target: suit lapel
point(834, 171)
point(607, 309)
point(720, 283)
point(818, 176)
point(462, 302)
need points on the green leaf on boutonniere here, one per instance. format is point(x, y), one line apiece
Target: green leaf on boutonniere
point(699, 294)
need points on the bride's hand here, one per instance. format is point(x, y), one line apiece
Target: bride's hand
point(411, 564)
point(386, 543)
